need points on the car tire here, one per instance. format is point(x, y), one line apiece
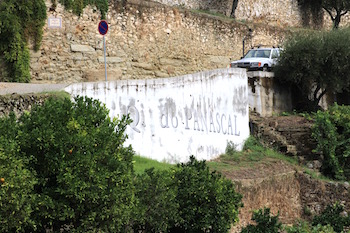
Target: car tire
point(265, 67)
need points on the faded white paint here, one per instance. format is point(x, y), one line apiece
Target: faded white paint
point(266, 96)
point(174, 118)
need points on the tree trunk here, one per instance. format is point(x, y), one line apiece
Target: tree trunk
point(234, 6)
point(336, 21)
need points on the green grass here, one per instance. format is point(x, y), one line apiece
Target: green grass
point(252, 154)
point(316, 175)
point(57, 94)
point(142, 163)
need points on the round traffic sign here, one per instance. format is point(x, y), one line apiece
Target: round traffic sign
point(103, 27)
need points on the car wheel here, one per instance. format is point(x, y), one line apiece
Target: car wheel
point(265, 67)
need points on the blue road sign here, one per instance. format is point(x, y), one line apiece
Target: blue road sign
point(103, 27)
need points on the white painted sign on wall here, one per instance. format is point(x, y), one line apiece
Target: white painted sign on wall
point(54, 22)
point(174, 118)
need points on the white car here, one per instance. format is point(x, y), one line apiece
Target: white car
point(258, 59)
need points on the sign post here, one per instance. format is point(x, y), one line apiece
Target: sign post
point(103, 29)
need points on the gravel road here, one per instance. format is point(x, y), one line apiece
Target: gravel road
point(26, 88)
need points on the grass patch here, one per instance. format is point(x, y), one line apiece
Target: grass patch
point(57, 94)
point(252, 154)
point(316, 175)
point(142, 163)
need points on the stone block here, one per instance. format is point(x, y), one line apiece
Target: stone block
point(82, 48)
point(143, 65)
point(99, 75)
point(170, 61)
point(111, 59)
point(78, 57)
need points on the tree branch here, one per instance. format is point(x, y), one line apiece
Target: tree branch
point(330, 13)
point(321, 95)
point(318, 88)
point(344, 13)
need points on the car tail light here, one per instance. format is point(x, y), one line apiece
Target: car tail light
point(259, 64)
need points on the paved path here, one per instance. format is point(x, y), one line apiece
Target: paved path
point(25, 88)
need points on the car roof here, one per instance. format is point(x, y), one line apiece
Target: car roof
point(263, 48)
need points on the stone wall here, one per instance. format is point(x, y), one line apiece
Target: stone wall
point(317, 194)
point(145, 40)
point(20, 103)
point(271, 12)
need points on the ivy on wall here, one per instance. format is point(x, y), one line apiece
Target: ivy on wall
point(77, 6)
point(20, 20)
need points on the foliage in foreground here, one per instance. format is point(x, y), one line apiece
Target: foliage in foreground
point(332, 215)
point(157, 207)
point(332, 133)
point(17, 182)
point(82, 172)
point(315, 63)
point(187, 198)
point(207, 201)
point(63, 167)
point(329, 221)
point(264, 222)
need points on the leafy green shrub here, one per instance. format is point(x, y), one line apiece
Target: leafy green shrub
point(264, 222)
point(84, 172)
point(207, 201)
point(323, 229)
point(332, 133)
point(332, 216)
point(230, 148)
point(253, 144)
point(157, 208)
point(304, 227)
point(17, 195)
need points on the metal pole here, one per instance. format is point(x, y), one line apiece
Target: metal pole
point(243, 46)
point(104, 48)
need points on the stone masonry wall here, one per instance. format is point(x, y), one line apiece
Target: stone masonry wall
point(20, 103)
point(271, 12)
point(145, 40)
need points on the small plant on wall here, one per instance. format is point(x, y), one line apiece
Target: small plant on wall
point(77, 6)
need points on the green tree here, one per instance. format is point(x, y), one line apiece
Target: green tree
point(207, 201)
point(157, 208)
point(84, 172)
point(336, 9)
point(315, 63)
point(264, 222)
point(17, 196)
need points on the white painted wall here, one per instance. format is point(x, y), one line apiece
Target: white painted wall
point(174, 118)
point(266, 96)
